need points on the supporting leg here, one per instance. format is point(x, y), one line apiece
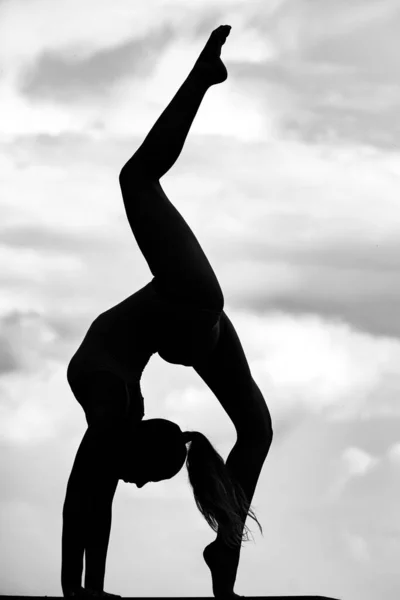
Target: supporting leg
point(244, 462)
point(227, 374)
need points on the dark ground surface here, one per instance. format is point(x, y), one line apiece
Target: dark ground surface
point(176, 598)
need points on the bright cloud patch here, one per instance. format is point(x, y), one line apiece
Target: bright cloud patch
point(323, 366)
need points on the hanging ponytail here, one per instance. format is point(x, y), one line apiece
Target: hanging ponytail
point(218, 496)
point(188, 436)
point(220, 499)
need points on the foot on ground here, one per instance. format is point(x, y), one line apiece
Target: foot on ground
point(223, 563)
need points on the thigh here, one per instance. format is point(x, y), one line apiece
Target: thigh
point(186, 334)
point(178, 263)
point(227, 373)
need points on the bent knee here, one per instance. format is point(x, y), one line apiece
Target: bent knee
point(257, 426)
point(257, 436)
point(128, 175)
point(133, 172)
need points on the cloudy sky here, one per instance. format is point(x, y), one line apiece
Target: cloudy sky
point(290, 178)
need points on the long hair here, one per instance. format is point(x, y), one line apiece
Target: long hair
point(218, 496)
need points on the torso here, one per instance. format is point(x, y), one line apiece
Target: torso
point(121, 341)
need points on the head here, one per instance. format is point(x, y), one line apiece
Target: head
point(158, 451)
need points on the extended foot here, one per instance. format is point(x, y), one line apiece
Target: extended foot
point(223, 566)
point(209, 64)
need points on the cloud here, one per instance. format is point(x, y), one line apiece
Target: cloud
point(297, 27)
point(322, 236)
point(334, 68)
point(357, 461)
point(8, 360)
point(361, 38)
point(285, 226)
point(30, 377)
point(319, 80)
point(357, 547)
point(30, 29)
point(27, 264)
point(321, 366)
point(68, 78)
point(103, 93)
point(394, 453)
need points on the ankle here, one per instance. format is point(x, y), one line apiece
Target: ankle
point(199, 78)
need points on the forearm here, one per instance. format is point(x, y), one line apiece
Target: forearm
point(85, 532)
point(98, 529)
point(72, 549)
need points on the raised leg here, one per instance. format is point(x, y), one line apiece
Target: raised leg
point(181, 270)
point(227, 373)
point(163, 144)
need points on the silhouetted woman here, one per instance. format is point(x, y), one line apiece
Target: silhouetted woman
point(180, 315)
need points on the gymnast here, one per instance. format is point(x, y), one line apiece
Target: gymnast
point(179, 315)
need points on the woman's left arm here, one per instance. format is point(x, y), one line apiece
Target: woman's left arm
point(98, 528)
point(88, 508)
